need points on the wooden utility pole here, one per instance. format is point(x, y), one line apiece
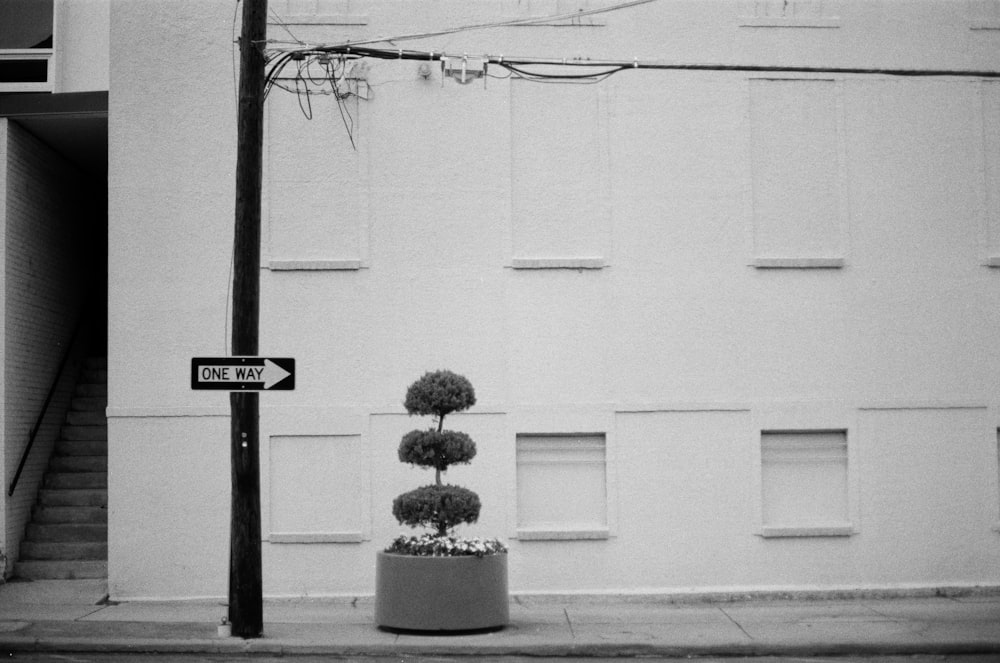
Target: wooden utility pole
point(246, 607)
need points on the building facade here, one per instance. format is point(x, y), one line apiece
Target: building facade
point(732, 326)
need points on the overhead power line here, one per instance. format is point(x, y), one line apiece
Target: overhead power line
point(337, 79)
point(587, 68)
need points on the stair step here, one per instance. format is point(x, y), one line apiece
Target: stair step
point(86, 418)
point(73, 497)
point(85, 432)
point(78, 463)
point(91, 389)
point(81, 448)
point(96, 375)
point(31, 550)
point(67, 537)
point(49, 515)
point(89, 403)
point(66, 533)
point(62, 570)
point(76, 480)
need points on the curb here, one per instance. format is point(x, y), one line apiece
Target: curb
point(263, 646)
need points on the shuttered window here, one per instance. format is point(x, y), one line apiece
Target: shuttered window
point(804, 483)
point(562, 487)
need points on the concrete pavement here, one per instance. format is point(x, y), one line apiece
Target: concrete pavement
point(68, 616)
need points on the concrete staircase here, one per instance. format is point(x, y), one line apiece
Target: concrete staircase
point(68, 533)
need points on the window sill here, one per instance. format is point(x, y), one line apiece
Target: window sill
point(563, 535)
point(798, 263)
point(558, 263)
point(315, 537)
point(777, 22)
point(314, 265)
point(791, 532)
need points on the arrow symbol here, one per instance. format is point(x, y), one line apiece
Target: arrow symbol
point(273, 374)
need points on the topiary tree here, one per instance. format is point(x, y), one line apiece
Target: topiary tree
point(437, 505)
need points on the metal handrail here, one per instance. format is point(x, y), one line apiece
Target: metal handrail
point(45, 405)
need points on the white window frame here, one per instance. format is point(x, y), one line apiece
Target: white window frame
point(46, 54)
point(14, 54)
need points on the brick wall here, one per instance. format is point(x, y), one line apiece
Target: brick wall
point(42, 296)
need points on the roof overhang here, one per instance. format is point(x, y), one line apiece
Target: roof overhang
point(75, 124)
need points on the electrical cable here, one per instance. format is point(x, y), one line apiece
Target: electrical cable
point(344, 115)
point(578, 70)
point(601, 75)
point(305, 111)
point(284, 26)
point(609, 67)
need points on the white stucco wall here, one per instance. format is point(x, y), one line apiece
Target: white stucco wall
point(171, 152)
point(80, 41)
point(680, 351)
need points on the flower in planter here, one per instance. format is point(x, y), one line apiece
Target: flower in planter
point(431, 545)
point(438, 505)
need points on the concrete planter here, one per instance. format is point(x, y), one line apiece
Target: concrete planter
point(465, 593)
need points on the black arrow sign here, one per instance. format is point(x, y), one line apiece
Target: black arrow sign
point(243, 373)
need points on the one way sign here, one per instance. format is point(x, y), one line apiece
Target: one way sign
point(243, 373)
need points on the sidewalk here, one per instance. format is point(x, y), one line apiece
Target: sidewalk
point(65, 616)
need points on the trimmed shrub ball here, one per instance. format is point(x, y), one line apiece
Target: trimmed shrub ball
point(437, 449)
point(440, 393)
point(440, 507)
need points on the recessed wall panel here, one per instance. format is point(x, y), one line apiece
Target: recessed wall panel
point(316, 487)
point(991, 146)
point(795, 168)
point(558, 172)
point(317, 191)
